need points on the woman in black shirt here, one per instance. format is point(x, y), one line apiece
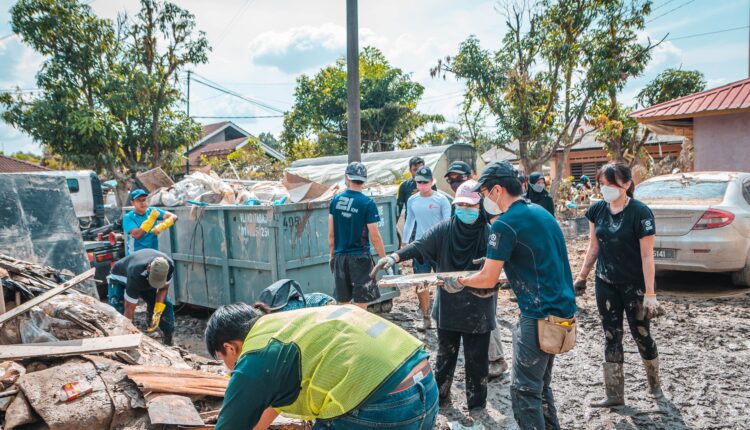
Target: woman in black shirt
point(621, 242)
point(537, 192)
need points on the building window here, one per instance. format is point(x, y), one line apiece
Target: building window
point(73, 185)
point(589, 169)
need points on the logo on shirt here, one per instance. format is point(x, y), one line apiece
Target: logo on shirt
point(431, 206)
point(492, 241)
point(345, 205)
point(647, 224)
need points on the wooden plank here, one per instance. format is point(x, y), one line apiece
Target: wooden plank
point(154, 179)
point(171, 409)
point(70, 347)
point(402, 281)
point(157, 379)
point(46, 296)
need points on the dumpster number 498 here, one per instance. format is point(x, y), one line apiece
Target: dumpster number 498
point(291, 221)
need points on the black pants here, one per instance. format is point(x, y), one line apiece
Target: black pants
point(476, 360)
point(613, 300)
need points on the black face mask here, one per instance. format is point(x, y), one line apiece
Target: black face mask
point(455, 183)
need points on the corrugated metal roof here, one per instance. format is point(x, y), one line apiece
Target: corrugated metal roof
point(213, 149)
point(12, 165)
point(726, 98)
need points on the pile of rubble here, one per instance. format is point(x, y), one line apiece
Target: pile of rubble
point(68, 361)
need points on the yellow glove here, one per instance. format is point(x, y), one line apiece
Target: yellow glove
point(158, 310)
point(169, 222)
point(150, 221)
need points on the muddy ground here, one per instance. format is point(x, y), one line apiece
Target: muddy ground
point(703, 341)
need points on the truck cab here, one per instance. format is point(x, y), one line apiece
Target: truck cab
point(86, 193)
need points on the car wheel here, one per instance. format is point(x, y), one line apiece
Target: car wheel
point(741, 278)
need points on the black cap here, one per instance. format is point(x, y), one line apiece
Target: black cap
point(424, 174)
point(459, 167)
point(496, 170)
point(413, 161)
point(356, 171)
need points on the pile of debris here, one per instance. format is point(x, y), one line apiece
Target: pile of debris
point(209, 188)
point(68, 361)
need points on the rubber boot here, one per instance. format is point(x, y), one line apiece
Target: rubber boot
point(167, 339)
point(498, 368)
point(614, 384)
point(652, 373)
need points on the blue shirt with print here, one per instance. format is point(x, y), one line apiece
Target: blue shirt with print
point(352, 211)
point(532, 246)
point(132, 220)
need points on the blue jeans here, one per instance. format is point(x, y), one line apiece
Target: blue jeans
point(530, 391)
point(116, 299)
point(415, 408)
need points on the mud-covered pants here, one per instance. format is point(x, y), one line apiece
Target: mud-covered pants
point(476, 362)
point(530, 391)
point(613, 300)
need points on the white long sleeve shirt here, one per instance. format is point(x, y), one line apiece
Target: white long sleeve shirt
point(425, 212)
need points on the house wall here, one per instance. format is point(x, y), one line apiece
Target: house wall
point(721, 142)
point(599, 155)
point(219, 137)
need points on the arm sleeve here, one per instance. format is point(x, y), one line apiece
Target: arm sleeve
point(427, 247)
point(645, 223)
point(550, 205)
point(400, 203)
point(410, 221)
point(501, 242)
point(266, 378)
point(330, 206)
point(445, 208)
point(128, 223)
point(591, 212)
point(373, 216)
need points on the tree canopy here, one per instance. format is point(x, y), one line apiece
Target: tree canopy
point(317, 122)
point(110, 96)
point(671, 84)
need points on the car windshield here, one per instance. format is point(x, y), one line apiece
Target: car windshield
point(685, 190)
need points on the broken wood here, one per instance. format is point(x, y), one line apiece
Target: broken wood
point(155, 379)
point(70, 347)
point(154, 179)
point(424, 279)
point(46, 296)
point(171, 409)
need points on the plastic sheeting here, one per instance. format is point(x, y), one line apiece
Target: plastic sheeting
point(38, 224)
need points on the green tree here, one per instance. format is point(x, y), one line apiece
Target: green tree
point(389, 116)
point(556, 58)
point(110, 98)
point(671, 84)
point(248, 162)
point(269, 140)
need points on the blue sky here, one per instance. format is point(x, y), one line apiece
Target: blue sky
point(261, 46)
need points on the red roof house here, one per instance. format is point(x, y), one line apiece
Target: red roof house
point(12, 165)
point(221, 139)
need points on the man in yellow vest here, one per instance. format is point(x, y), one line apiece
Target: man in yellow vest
point(339, 366)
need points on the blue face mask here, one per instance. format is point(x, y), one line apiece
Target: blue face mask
point(467, 215)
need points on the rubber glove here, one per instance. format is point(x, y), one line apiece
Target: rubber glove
point(150, 221)
point(158, 310)
point(169, 222)
point(652, 307)
point(450, 283)
point(386, 263)
point(479, 261)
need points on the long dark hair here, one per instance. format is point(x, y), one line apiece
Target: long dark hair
point(615, 171)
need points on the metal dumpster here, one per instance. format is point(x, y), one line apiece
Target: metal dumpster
point(225, 254)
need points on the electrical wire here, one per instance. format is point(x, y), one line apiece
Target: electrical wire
point(708, 33)
point(218, 87)
point(670, 11)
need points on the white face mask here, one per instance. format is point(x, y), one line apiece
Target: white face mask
point(610, 193)
point(491, 207)
point(537, 188)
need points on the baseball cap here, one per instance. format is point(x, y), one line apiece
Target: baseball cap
point(424, 174)
point(158, 272)
point(466, 194)
point(458, 167)
point(413, 161)
point(356, 171)
point(496, 170)
point(137, 193)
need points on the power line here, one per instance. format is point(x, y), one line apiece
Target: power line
point(238, 117)
point(670, 11)
point(661, 5)
point(218, 87)
point(709, 33)
point(241, 11)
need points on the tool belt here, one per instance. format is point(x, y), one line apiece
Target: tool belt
point(556, 335)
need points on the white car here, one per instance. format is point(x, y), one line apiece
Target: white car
point(702, 222)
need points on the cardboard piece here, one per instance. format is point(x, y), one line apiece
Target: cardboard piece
point(154, 179)
point(302, 189)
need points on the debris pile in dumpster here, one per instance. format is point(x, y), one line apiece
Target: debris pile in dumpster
point(210, 189)
point(68, 361)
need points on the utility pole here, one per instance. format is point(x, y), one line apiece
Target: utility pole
point(188, 95)
point(354, 137)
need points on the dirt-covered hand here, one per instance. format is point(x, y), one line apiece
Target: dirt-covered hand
point(386, 263)
point(450, 283)
point(579, 286)
point(652, 307)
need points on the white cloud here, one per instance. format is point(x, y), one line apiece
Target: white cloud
point(663, 56)
point(301, 48)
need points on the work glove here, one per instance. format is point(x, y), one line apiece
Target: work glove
point(579, 286)
point(652, 307)
point(169, 222)
point(150, 221)
point(479, 261)
point(450, 283)
point(158, 310)
point(386, 263)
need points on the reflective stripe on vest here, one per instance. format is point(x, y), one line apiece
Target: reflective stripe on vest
point(346, 354)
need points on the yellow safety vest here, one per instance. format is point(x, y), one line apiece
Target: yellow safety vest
point(346, 354)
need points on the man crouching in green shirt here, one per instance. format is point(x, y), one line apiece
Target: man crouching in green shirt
point(339, 366)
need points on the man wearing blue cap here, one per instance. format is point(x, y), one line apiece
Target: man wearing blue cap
point(352, 223)
point(140, 224)
point(528, 243)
